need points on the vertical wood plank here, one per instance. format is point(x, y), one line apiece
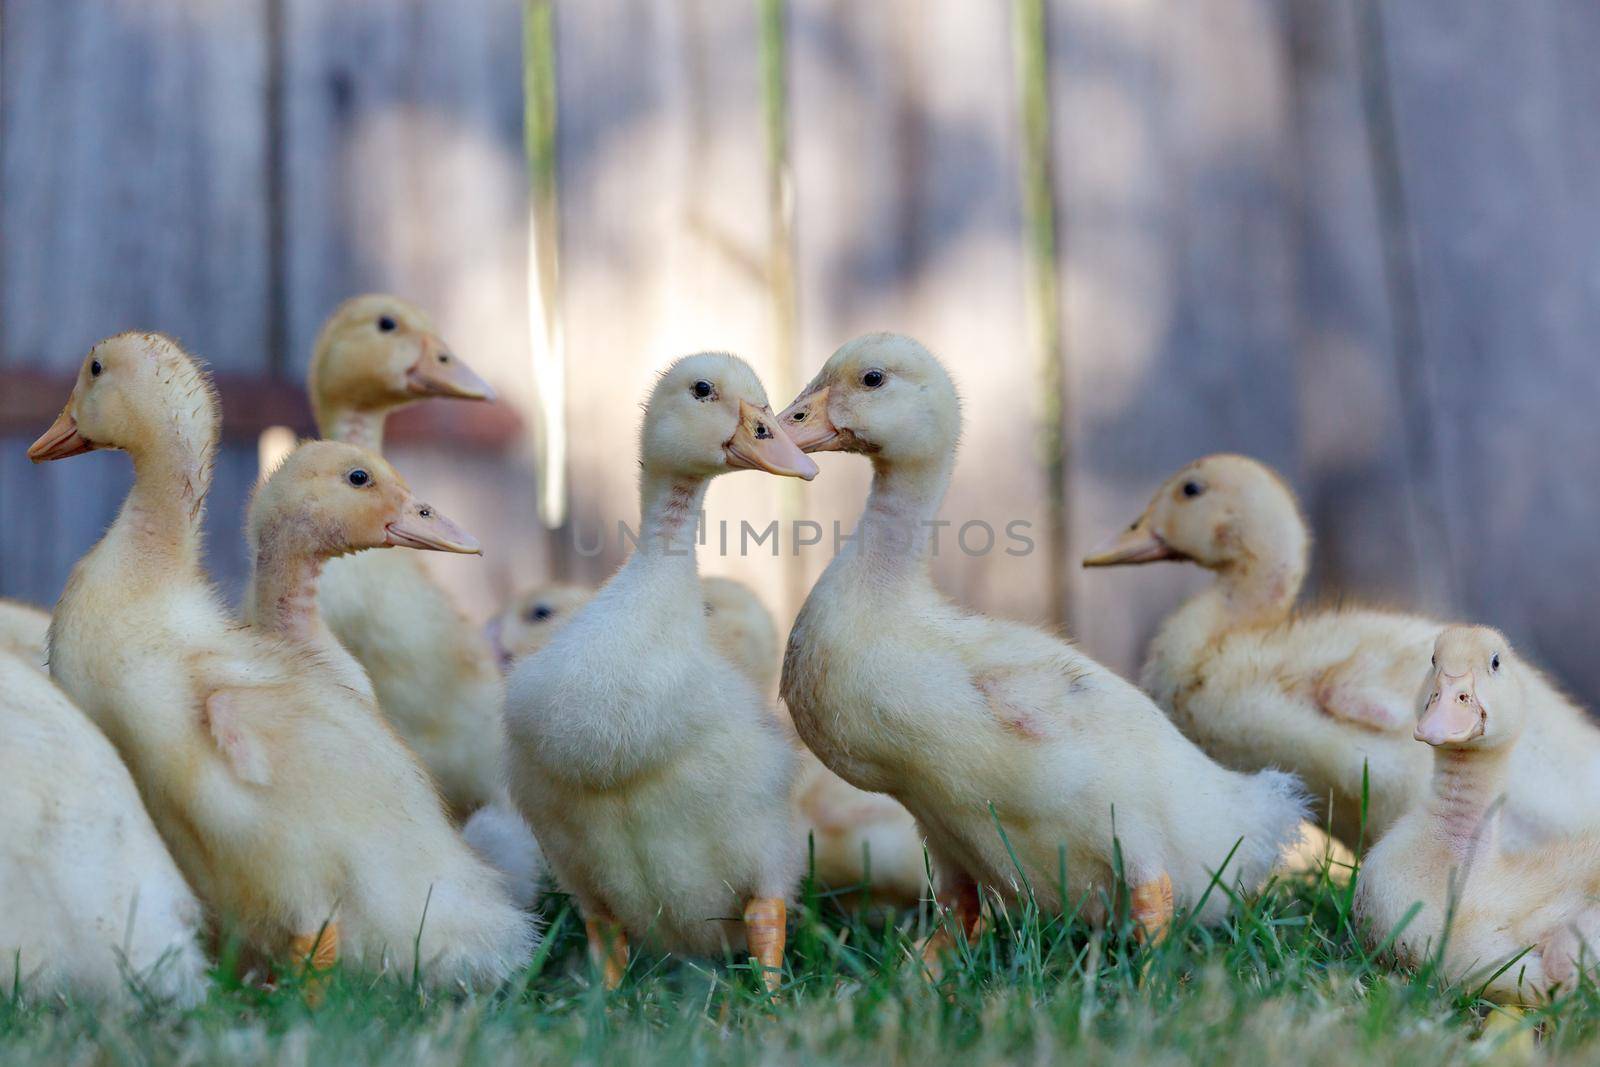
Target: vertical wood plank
point(133, 178)
point(907, 149)
point(1507, 243)
point(1171, 124)
point(664, 244)
point(404, 172)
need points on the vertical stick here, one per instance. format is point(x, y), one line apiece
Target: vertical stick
point(1044, 293)
point(780, 256)
point(544, 312)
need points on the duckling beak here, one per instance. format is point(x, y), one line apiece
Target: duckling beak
point(1453, 715)
point(807, 424)
point(61, 440)
point(422, 526)
point(758, 444)
point(438, 372)
point(1137, 544)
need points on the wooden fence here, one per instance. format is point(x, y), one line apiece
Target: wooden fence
point(1358, 240)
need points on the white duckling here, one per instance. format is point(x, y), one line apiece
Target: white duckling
point(1325, 694)
point(91, 904)
point(433, 672)
point(969, 721)
point(646, 762)
point(857, 838)
point(23, 631)
point(292, 808)
point(1482, 903)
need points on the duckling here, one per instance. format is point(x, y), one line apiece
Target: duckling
point(1482, 904)
point(857, 838)
point(979, 725)
point(23, 629)
point(294, 811)
point(1323, 693)
point(529, 619)
point(91, 903)
point(647, 764)
point(433, 671)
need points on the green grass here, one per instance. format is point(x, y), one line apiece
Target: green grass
point(1285, 980)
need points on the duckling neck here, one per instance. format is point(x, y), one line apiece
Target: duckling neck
point(165, 509)
point(897, 525)
point(1463, 804)
point(285, 591)
point(364, 429)
point(1259, 590)
point(669, 509)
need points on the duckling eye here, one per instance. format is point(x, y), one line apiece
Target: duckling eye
point(425, 511)
point(710, 611)
point(872, 379)
point(762, 433)
point(703, 389)
point(95, 368)
point(539, 613)
point(386, 324)
point(1433, 661)
point(1193, 488)
point(358, 477)
point(1494, 662)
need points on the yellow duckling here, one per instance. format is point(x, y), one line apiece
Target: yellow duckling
point(295, 812)
point(1325, 694)
point(646, 762)
point(858, 838)
point(971, 721)
point(23, 631)
point(91, 903)
point(1483, 904)
point(433, 672)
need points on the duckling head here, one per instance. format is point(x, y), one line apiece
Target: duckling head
point(139, 392)
point(1472, 698)
point(883, 395)
point(1223, 512)
point(708, 415)
point(377, 352)
point(742, 628)
point(328, 499)
point(527, 623)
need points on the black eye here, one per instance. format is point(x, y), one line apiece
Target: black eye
point(872, 379)
point(1494, 662)
point(425, 511)
point(386, 324)
point(1433, 661)
point(444, 357)
point(703, 389)
point(95, 368)
point(539, 613)
point(762, 433)
point(1193, 488)
point(709, 609)
point(358, 477)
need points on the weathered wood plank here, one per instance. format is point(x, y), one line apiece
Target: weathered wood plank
point(664, 246)
point(133, 178)
point(1172, 128)
point(907, 147)
point(1507, 241)
point(1364, 492)
point(404, 172)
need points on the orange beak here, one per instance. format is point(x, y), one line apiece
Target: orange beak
point(438, 372)
point(758, 444)
point(61, 440)
point(808, 426)
point(1137, 544)
point(422, 526)
point(1453, 715)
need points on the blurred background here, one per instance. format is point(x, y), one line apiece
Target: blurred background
point(1359, 241)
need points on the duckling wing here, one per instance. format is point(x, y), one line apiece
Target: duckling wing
point(238, 719)
point(1353, 691)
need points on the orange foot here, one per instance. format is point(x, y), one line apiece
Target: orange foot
point(1152, 910)
point(765, 927)
point(608, 948)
